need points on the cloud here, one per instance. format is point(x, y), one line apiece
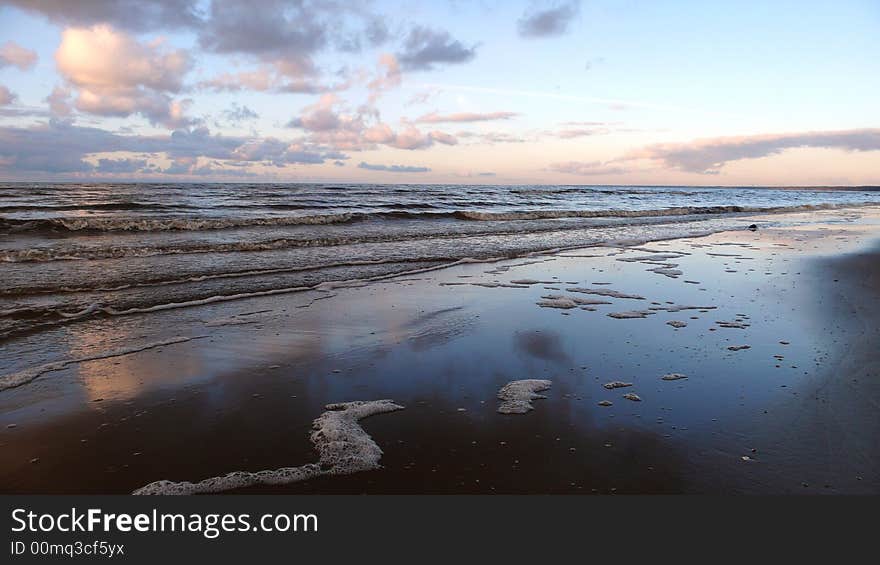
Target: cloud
point(388, 77)
point(591, 124)
point(275, 28)
point(327, 124)
point(6, 96)
point(116, 166)
point(580, 132)
point(14, 55)
point(549, 22)
point(434, 118)
point(492, 137)
point(59, 102)
point(422, 97)
point(320, 116)
point(709, 155)
point(444, 138)
point(116, 75)
point(131, 15)
point(239, 113)
point(259, 80)
point(393, 168)
point(588, 168)
point(61, 147)
point(425, 47)
point(267, 78)
point(285, 36)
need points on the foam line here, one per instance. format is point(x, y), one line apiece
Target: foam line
point(342, 444)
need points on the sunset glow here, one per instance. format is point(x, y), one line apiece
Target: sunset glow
point(490, 92)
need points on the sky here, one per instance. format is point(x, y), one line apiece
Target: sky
point(493, 92)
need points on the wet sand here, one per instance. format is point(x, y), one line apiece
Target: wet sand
point(793, 412)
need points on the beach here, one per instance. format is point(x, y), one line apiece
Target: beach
point(737, 361)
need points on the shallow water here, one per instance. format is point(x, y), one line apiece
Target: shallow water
point(74, 251)
point(443, 343)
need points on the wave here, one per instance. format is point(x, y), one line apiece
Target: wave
point(661, 212)
point(74, 252)
point(37, 311)
point(164, 224)
point(199, 224)
point(97, 206)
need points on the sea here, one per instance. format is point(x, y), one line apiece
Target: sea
point(74, 251)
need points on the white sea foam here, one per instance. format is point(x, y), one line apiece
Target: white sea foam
point(673, 377)
point(342, 444)
point(605, 292)
point(563, 303)
point(631, 314)
point(679, 308)
point(733, 325)
point(656, 257)
point(668, 271)
point(516, 396)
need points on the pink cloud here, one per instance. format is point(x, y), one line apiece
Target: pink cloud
point(14, 55)
point(434, 118)
point(116, 75)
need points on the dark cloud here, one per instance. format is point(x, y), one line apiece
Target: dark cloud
point(548, 22)
point(132, 15)
point(376, 32)
point(709, 155)
point(61, 147)
point(117, 166)
point(274, 27)
point(393, 168)
point(424, 47)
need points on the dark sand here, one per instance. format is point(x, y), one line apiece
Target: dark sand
point(800, 417)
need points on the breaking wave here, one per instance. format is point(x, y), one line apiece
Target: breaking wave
point(99, 224)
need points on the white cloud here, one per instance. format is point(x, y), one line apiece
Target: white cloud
point(116, 75)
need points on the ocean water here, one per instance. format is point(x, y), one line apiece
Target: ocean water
point(70, 252)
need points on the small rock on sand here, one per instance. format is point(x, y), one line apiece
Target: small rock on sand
point(676, 324)
point(616, 384)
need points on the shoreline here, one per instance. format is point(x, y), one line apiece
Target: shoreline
point(442, 346)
